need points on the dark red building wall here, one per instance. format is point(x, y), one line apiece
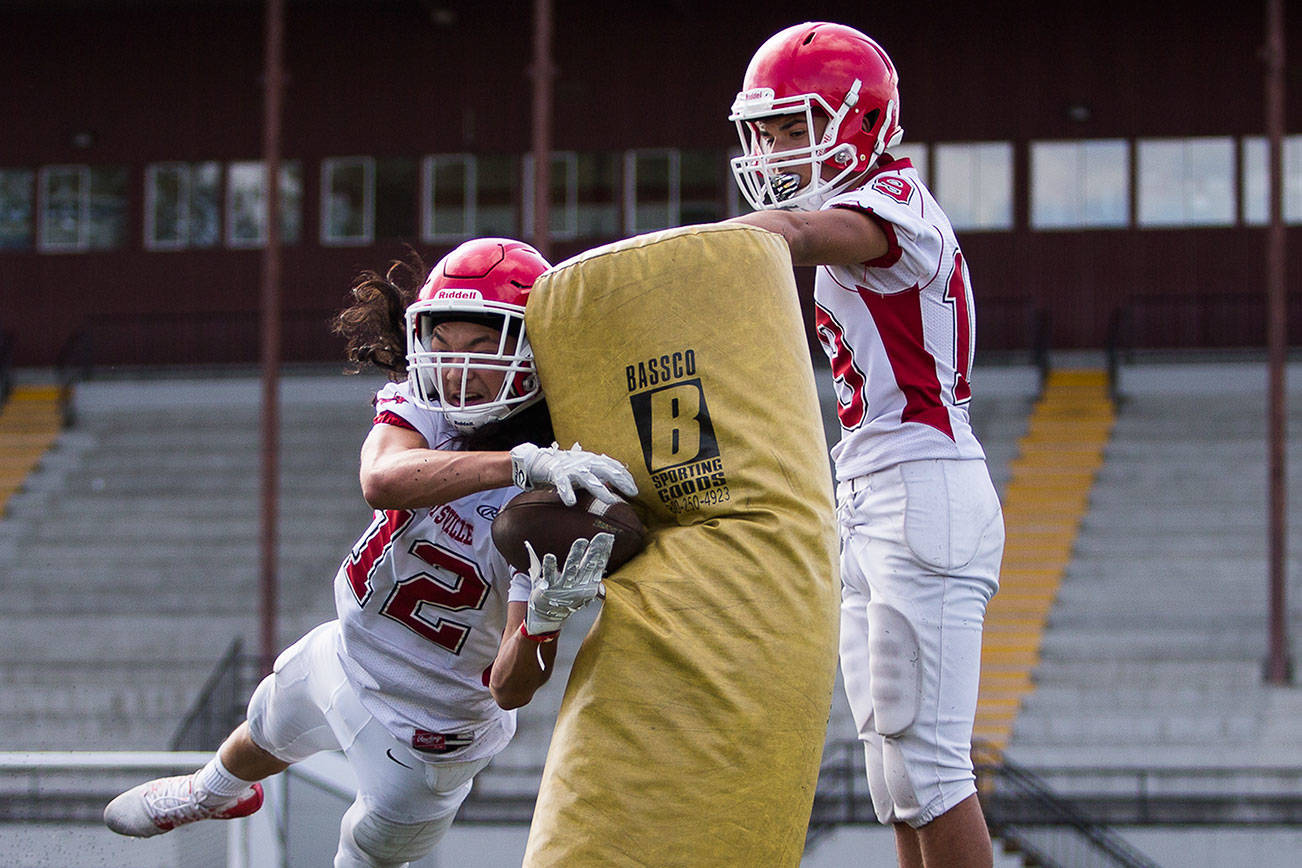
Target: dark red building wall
point(163, 81)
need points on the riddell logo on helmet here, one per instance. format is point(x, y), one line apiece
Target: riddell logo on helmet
point(754, 99)
point(460, 294)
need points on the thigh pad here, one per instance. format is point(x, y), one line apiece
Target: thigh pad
point(895, 661)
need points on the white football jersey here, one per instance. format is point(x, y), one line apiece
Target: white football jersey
point(899, 332)
point(421, 599)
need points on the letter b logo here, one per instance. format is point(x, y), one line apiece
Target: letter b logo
point(674, 425)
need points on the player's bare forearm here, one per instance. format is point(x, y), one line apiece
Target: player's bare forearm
point(517, 672)
point(398, 470)
point(785, 223)
point(836, 236)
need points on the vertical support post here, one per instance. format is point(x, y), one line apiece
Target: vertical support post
point(1278, 662)
point(543, 75)
point(272, 83)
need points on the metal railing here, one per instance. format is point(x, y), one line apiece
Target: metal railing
point(1198, 321)
point(1027, 814)
point(221, 702)
point(1195, 323)
point(1182, 795)
point(1019, 808)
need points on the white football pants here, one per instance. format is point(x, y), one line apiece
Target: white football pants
point(404, 802)
point(921, 545)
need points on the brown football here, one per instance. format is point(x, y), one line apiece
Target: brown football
point(549, 525)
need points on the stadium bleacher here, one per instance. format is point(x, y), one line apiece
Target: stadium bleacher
point(1159, 631)
point(131, 553)
point(130, 561)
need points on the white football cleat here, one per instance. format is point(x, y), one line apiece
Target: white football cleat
point(161, 805)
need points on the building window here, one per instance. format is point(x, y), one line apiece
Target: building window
point(16, 190)
point(563, 212)
point(974, 182)
point(448, 185)
point(652, 189)
point(1080, 184)
point(497, 208)
point(915, 153)
point(246, 203)
point(1186, 182)
point(347, 200)
point(365, 198)
point(82, 208)
point(1256, 189)
point(181, 205)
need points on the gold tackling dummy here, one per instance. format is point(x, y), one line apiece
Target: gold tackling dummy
point(692, 726)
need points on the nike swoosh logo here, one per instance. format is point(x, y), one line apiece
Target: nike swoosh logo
point(389, 754)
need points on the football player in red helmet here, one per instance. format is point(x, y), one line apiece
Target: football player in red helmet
point(921, 525)
point(840, 89)
point(437, 638)
point(481, 290)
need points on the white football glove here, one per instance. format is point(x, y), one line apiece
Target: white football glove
point(556, 597)
point(532, 466)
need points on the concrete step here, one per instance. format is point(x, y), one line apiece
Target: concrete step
point(1094, 726)
point(1233, 641)
point(1081, 673)
point(134, 533)
point(72, 670)
point(1208, 545)
point(42, 589)
point(145, 695)
point(109, 731)
point(230, 599)
point(1201, 697)
point(171, 554)
point(194, 638)
point(1123, 753)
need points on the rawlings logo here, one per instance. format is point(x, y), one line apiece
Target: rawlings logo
point(439, 742)
point(486, 512)
point(423, 740)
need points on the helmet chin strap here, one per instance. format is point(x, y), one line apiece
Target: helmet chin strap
point(890, 120)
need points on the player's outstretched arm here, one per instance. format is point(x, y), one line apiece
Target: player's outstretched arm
point(400, 471)
point(835, 236)
point(528, 651)
point(567, 469)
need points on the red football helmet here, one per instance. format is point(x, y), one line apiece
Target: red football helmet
point(815, 67)
point(485, 281)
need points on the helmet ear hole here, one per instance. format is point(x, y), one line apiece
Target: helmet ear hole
point(870, 120)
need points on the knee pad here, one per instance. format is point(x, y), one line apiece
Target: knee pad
point(895, 662)
point(368, 841)
point(895, 800)
point(906, 806)
point(875, 762)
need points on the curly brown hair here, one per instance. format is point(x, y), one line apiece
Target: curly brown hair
point(374, 324)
